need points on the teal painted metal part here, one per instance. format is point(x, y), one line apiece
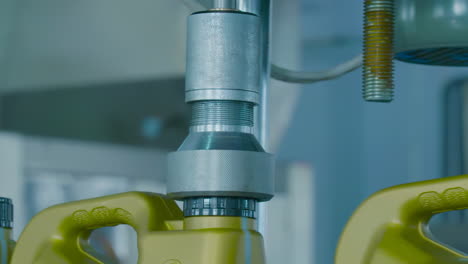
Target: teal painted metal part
point(433, 32)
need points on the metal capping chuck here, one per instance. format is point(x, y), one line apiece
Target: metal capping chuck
point(221, 157)
point(6, 213)
point(378, 50)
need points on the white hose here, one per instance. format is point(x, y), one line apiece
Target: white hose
point(290, 76)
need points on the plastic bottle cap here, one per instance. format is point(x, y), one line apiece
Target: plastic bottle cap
point(6, 213)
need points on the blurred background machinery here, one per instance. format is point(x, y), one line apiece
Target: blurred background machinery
point(92, 98)
point(121, 111)
point(45, 171)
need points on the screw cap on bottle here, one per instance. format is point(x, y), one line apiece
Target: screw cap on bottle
point(220, 206)
point(6, 213)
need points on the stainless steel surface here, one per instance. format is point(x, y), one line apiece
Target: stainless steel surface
point(221, 156)
point(222, 125)
point(432, 32)
point(221, 128)
point(262, 8)
point(198, 173)
point(220, 206)
point(378, 50)
point(213, 94)
point(6, 213)
point(251, 6)
point(221, 141)
point(223, 57)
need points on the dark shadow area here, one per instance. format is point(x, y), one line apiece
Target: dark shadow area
point(146, 113)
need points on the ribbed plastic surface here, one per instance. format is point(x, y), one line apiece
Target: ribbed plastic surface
point(220, 206)
point(6, 213)
point(436, 56)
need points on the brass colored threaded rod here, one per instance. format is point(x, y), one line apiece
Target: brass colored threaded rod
point(378, 50)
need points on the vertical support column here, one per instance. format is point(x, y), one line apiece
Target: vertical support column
point(197, 91)
point(262, 8)
point(265, 15)
point(263, 137)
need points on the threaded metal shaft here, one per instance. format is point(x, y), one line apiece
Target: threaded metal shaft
point(222, 116)
point(378, 50)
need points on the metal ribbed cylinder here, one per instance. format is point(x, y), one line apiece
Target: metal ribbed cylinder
point(226, 75)
point(378, 50)
point(220, 206)
point(222, 116)
point(223, 56)
point(6, 213)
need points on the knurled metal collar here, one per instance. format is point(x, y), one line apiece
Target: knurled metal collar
point(220, 206)
point(6, 213)
point(220, 173)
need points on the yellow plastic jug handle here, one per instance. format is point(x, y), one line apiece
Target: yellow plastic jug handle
point(406, 208)
point(56, 234)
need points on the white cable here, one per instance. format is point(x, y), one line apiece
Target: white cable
point(290, 76)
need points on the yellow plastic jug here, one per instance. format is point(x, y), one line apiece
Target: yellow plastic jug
point(58, 234)
point(390, 227)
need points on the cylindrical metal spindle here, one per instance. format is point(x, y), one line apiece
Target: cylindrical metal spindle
point(226, 80)
point(378, 50)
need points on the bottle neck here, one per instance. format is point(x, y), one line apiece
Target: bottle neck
point(220, 222)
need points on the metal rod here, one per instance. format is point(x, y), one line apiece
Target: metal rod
point(378, 50)
point(262, 8)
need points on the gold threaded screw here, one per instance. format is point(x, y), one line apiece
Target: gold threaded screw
point(378, 50)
